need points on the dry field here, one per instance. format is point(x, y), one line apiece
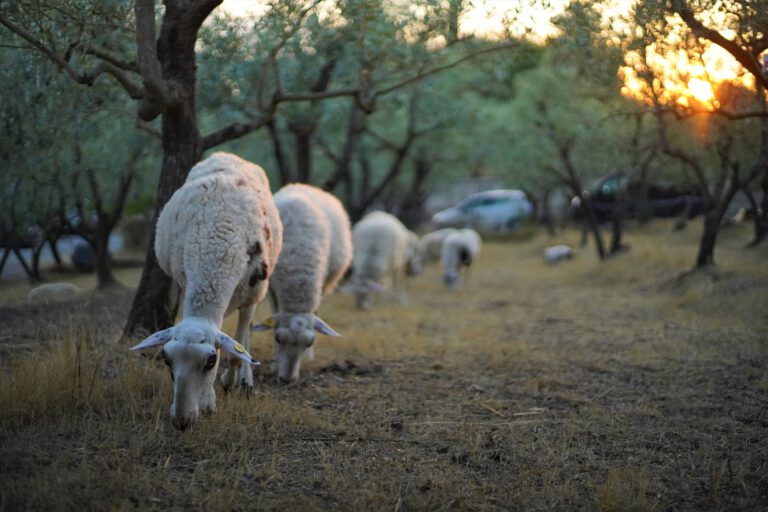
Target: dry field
point(586, 386)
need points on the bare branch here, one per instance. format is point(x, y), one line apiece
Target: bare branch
point(115, 60)
point(82, 77)
point(159, 93)
point(236, 130)
point(146, 127)
point(424, 74)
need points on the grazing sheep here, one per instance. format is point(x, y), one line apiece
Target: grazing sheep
point(557, 253)
point(384, 249)
point(218, 237)
point(431, 244)
point(459, 251)
point(53, 292)
point(317, 251)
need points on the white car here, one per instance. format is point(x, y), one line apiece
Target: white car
point(494, 211)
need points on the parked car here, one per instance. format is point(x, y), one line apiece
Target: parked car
point(491, 211)
point(655, 200)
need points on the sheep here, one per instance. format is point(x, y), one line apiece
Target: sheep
point(53, 292)
point(557, 253)
point(383, 249)
point(219, 239)
point(430, 245)
point(459, 250)
point(317, 251)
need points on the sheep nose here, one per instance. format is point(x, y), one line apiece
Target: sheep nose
point(182, 423)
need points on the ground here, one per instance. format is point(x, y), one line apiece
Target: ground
point(618, 385)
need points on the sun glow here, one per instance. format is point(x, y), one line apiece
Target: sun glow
point(664, 73)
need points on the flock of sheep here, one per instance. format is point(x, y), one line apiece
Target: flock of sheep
point(227, 242)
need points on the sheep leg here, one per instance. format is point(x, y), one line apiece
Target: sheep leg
point(398, 285)
point(242, 335)
point(239, 372)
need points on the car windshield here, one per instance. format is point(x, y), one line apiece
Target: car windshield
point(474, 202)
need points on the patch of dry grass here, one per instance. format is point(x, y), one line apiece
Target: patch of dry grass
point(602, 386)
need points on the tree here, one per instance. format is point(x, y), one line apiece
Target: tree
point(721, 124)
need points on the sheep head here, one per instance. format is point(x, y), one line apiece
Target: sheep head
point(191, 352)
point(294, 339)
point(364, 290)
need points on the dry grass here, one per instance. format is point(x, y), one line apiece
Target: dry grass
point(598, 386)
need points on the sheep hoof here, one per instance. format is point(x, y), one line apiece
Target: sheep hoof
point(246, 389)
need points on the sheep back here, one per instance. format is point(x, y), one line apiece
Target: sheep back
point(220, 235)
point(460, 248)
point(317, 247)
point(431, 244)
point(381, 244)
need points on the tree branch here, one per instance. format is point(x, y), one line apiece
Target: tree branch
point(745, 57)
point(158, 93)
point(236, 130)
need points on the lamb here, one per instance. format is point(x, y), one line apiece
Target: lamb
point(219, 238)
point(459, 250)
point(317, 251)
point(54, 292)
point(383, 249)
point(557, 253)
point(430, 245)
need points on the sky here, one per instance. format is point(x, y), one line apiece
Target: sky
point(485, 18)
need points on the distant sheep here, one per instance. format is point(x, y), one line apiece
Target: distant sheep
point(459, 251)
point(53, 292)
point(317, 251)
point(557, 253)
point(384, 250)
point(219, 238)
point(431, 244)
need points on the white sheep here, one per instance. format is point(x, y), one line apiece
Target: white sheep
point(431, 244)
point(384, 249)
point(53, 292)
point(459, 250)
point(219, 238)
point(557, 253)
point(317, 251)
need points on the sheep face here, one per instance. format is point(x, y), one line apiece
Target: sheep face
point(294, 335)
point(365, 290)
point(451, 279)
point(193, 367)
point(191, 351)
point(294, 340)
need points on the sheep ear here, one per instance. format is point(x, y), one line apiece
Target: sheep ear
point(323, 327)
point(375, 287)
point(157, 339)
point(266, 325)
point(233, 348)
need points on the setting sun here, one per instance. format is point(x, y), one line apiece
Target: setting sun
point(701, 90)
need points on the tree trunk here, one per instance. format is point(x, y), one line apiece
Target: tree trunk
point(546, 212)
point(712, 221)
point(412, 207)
point(304, 156)
point(761, 214)
point(154, 307)
point(355, 128)
point(102, 260)
point(593, 225)
point(52, 242)
point(279, 153)
point(617, 223)
point(706, 255)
